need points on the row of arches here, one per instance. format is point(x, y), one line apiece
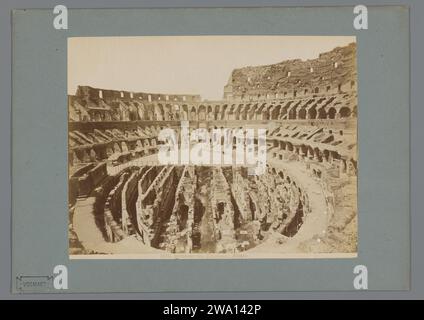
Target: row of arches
point(103, 152)
point(321, 155)
point(331, 107)
point(296, 91)
point(265, 111)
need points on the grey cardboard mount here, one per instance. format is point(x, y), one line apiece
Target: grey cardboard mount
point(39, 155)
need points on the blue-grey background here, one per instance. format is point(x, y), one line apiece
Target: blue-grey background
point(383, 132)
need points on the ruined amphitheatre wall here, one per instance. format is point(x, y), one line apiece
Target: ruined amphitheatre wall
point(332, 72)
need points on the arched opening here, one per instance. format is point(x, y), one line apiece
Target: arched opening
point(344, 112)
point(223, 111)
point(176, 112)
point(97, 116)
point(133, 115)
point(303, 150)
point(237, 112)
point(289, 146)
point(332, 113)
point(343, 166)
point(159, 112)
point(84, 156)
point(116, 148)
point(322, 114)
point(220, 210)
point(312, 113)
point(326, 155)
point(168, 112)
point(193, 114)
point(275, 112)
point(318, 154)
point(292, 113)
point(151, 115)
point(230, 115)
point(252, 112)
point(210, 114)
point(244, 113)
point(302, 113)
point(109, 151)
point(93, 156)
point(310, 152)
point(216, 113)
point(184, 112)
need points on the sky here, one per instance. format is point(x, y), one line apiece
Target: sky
point(182, 64)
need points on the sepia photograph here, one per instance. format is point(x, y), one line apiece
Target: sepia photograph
point(210, 147)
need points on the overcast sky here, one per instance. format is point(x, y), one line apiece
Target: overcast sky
point(181, 65)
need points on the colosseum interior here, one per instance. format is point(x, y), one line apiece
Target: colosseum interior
point(123, 201)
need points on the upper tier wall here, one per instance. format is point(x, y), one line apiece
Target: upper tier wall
point(85, 93)
point(331, 72)
point(335, 106)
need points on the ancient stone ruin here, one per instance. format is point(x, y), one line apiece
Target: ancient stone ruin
point(123, 201)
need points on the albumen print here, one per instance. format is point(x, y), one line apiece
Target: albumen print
point(212, 147)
